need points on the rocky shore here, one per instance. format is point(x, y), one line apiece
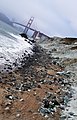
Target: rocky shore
point(39, 89)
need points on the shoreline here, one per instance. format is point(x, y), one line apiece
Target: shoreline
point(27, 87)
point(39, 90)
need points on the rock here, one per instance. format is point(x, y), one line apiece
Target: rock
point(71, 113)
point(7, 108)
point(10, 68)
point(21, 99)
point(35, 94)
point(39, 85)
point(63, 117)
point(24, 35)
point(46, 103)
point(8, 103)
point(64, 73)
point(56, 102)
point(18, 115)
point(44, 111)
point(62, 107)
point(54, 62)
point(51, 88)
point(46, 116)
point(61, 73)
point(54, 49)
point(10, 97)
point(0, 80)
point(49, 95)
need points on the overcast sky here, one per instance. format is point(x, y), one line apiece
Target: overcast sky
point(53, 17)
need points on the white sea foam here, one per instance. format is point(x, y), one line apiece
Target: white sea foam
point(11, 49)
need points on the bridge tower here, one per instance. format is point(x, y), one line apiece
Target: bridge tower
point(28, 24)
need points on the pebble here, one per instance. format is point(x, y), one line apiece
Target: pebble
point(63, 117)
point(29, 90)
point(71, 113)
point(9, 97)
point(46, 103)
point(21, 99)
point(7, 108)
point(46, 116)
point(18, 115)
point(62, 107)
point(35, 94)
point(8, 103)
point(1, 80)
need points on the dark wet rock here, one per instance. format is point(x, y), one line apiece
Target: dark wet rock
point(10, 73)
point(10, 68)
point(54, 49)
point(7, 70)
point(4, 68)
point(24, 35)
point(25, 86)
point(51, 88)
point(1, 80)
point(7, 59)
point(56, 102)
point(49, 104)
point(15, 64)
point(44, 111)
point(46, 103)
point(71, 113)
point(65, 100)
point(19, 67)
point(63, 117)
point(11, 97)
point(39, 85)
point(54, 62)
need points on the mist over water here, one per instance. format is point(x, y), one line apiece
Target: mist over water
point(54, 18)
point(12, 46)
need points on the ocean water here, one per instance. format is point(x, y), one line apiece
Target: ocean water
point(12, 45)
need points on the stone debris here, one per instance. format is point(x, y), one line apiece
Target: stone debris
point(18, 115)
point(39, 88)
point(7, 108)
point(21, 100)
point(49, 104)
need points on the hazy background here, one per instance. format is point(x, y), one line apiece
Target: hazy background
point(53, 17)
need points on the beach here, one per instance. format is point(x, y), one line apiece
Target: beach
point(39, 89)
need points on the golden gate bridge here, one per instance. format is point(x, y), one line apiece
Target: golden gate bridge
point(36, 33)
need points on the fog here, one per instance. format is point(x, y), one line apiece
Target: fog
point(53, 17)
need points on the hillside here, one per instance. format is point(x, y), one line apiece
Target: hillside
point(5, 19)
